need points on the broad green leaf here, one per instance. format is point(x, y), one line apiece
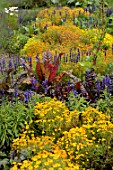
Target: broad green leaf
point(70, 1)
point(55, 1)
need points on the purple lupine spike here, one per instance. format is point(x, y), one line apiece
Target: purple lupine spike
point(78, 52)
point(75, 92)
point(2, 93)
point(77, 58)
point(98, 87)
point(45, 27)
point(27, 95)
point(108, 82)
point(20, 19)
point(85, 10)
point(109, 12)
point(37, 59)
point(23, 61)
point(90, 10)
point(72, 86)
point(45, 85)
point(68, 87)
point(3, 63)
point(55, 59)
point(16, 92)
point(34, 83)
point(57, 87)
point(83, 92)
point(103, 83)
point(1, 69)
point(10, 64)
point(30, 61)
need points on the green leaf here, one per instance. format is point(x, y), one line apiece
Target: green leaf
point(55, 1)
point(77, 4)
point(70, 1)
point(10, 132)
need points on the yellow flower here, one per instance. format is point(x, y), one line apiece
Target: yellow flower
point(51, 168)
point(56, 165)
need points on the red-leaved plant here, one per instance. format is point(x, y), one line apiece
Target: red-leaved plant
point(47, 69)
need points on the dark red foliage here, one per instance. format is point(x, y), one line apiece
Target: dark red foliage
point(39, 71)
point(53, 71)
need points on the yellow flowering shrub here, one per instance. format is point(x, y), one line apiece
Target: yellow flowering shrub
point(87, 143)
point(61, 34)
point(54, 117)
point(69, 140)
point(34, 46)
point(50, 13)
point(108, 40)
point(45, 154)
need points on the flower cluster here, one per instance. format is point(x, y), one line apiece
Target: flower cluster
point(85, 144)
point(11, 10)
point(54, 117)
point(57, 32)
point(69, 139)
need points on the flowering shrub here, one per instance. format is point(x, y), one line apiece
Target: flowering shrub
point(46, 155)
point(34, 46)
point(83, 140)
point(54, 117)
point(90, 144)
point(56, 30)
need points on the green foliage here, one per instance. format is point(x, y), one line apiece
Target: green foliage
point(13, 116)
point(17, 42)
point(76, 102)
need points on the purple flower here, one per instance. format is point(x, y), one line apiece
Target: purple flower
point(34, 83)
point(2, 93)
point(3, 63)
point(98, 85)
point(16, 93)
point(68, 87)
point(106, 81)
point(1, 67)
point(27, 95)
point(75, 92)
point(45, 85)
point(20, 20)
point(30, 61)
point(10, 64)
point(55, 59)
point(85, 9)
point(37, 58)
point(45, 27)
point(103, 83)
